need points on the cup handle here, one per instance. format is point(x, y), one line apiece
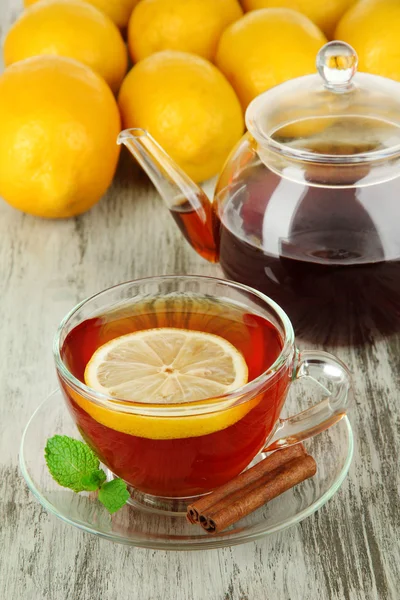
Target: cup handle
point(334, 379)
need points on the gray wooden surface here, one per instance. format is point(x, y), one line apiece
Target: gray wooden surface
point(348, 550)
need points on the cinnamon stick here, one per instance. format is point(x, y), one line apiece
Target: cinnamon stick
point(269, 464)
point(231, 509)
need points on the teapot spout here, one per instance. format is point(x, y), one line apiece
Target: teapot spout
point(186, 201)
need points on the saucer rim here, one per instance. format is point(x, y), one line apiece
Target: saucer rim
point(203, 542)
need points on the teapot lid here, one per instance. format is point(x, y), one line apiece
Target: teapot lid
point(330, 115)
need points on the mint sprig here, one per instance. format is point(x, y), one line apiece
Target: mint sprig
point(74, 465)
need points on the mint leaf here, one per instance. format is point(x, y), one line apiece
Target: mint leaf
point(73, 464)
point(113, 495)
point(93, 481)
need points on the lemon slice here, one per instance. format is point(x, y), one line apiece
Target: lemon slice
point(166, 366)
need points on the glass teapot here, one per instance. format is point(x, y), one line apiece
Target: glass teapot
point(307, 207)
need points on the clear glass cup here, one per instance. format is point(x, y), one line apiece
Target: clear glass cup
point(178, 451)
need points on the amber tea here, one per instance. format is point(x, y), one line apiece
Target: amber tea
point(198, 227)
point(193, 454)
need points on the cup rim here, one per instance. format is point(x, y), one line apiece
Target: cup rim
point(207, 405)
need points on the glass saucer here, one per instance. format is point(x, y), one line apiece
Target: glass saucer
point(140, 526)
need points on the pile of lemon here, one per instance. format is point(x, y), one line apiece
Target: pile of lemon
point(65, 92)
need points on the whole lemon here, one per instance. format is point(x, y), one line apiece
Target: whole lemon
point(324, 14)
point(59, 122)
point(372, 27)
point(267, 47)
point(69, 28)
point(188, 25)
point(119, 11)
point(188, 107)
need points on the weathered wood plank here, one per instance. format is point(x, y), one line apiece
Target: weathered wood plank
point(349, 550)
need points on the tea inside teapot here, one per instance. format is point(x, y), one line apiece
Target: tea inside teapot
point(326, 248)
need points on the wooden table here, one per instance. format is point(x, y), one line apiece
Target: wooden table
point(348, 550)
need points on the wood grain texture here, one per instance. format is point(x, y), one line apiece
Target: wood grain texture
point(348, 550)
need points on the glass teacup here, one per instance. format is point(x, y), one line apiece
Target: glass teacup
point(186, 449)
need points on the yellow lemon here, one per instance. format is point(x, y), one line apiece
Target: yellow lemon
point(188, 25)
point(372, 27)
point(69, 28)
point(188, 107)
point(119, 11)
point(324, 14)
point(58, 122)
point(267, 47)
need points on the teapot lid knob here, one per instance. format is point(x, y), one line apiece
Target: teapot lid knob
point(337, 64)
